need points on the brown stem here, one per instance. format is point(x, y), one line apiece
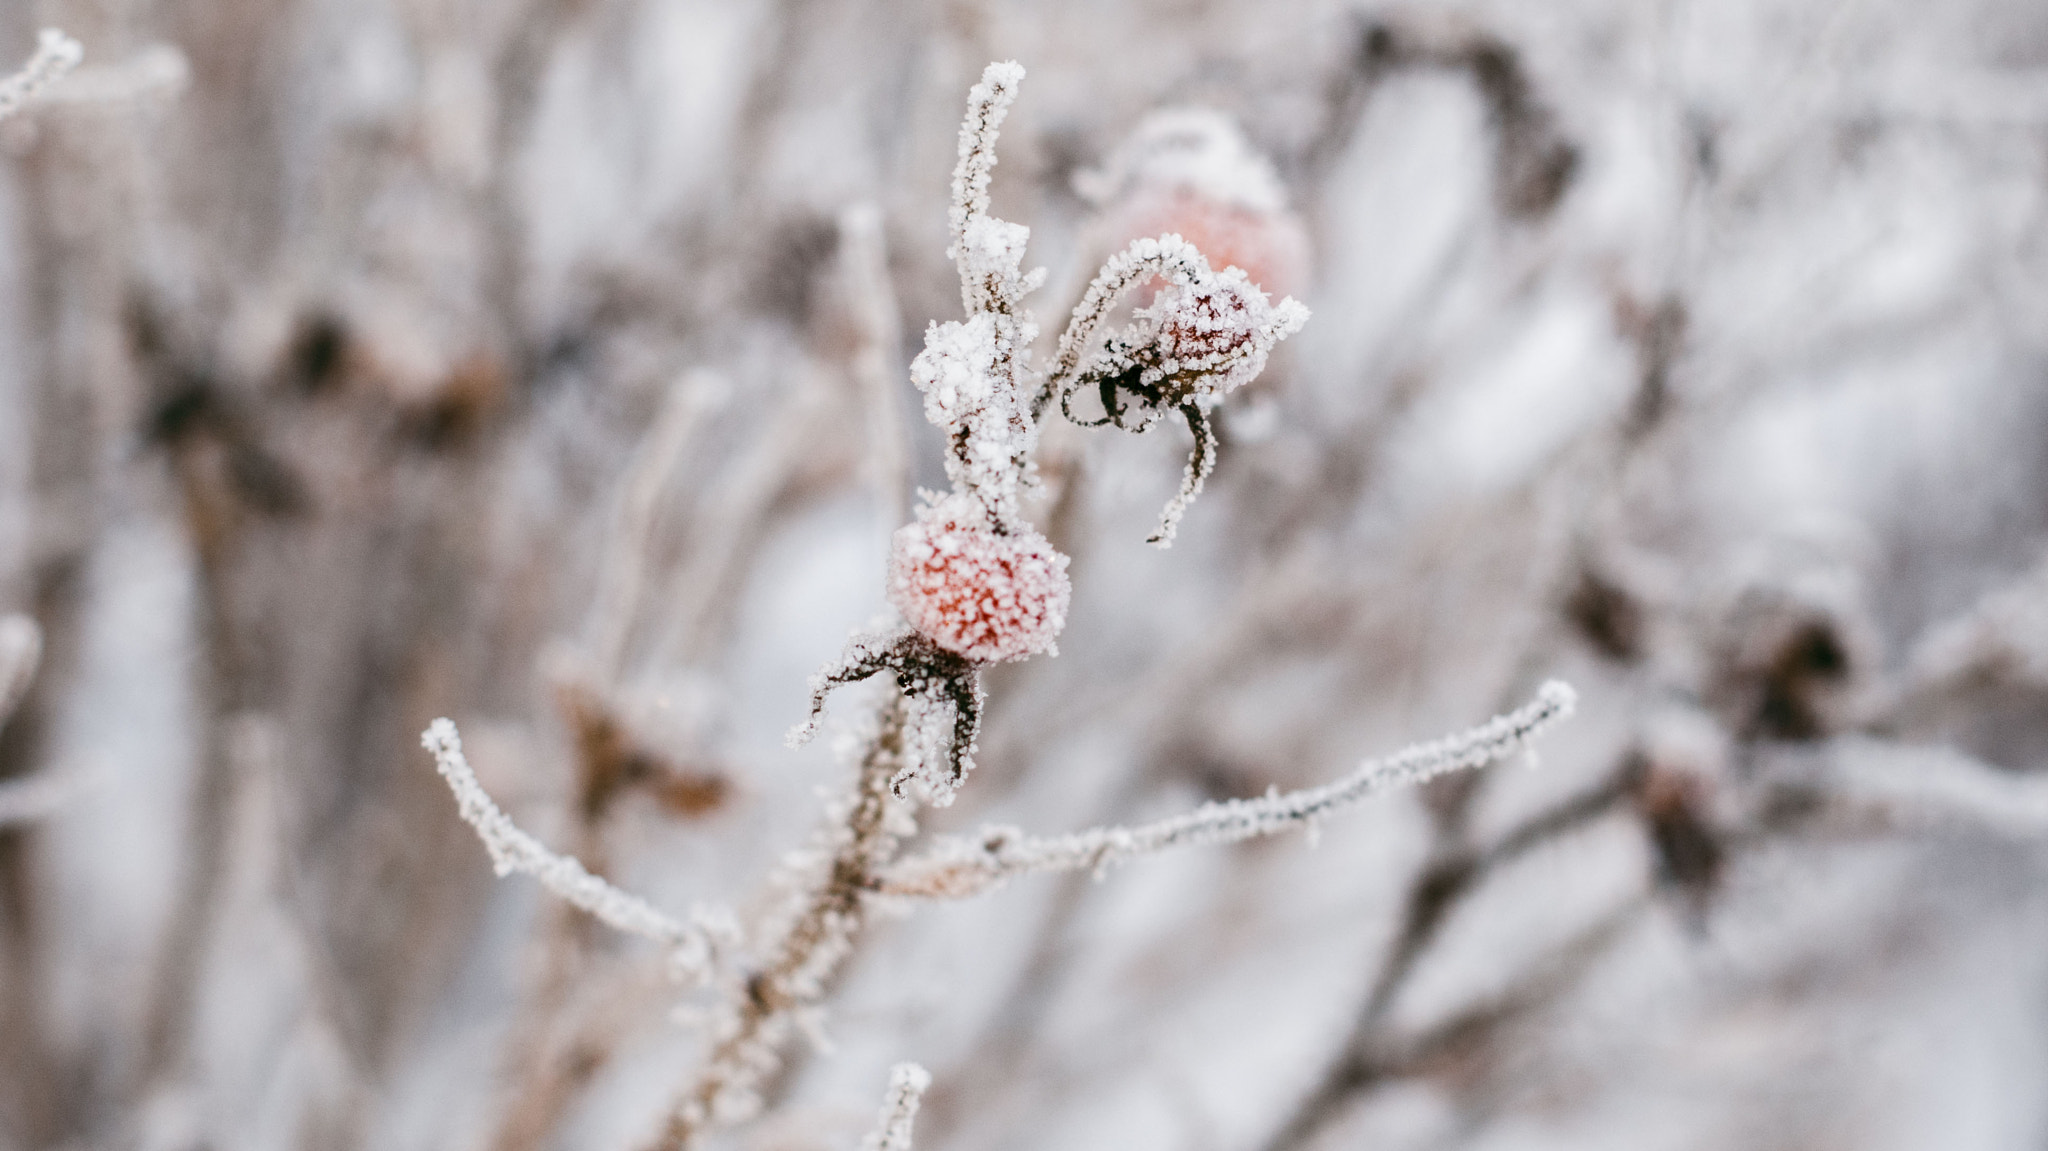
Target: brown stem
point(800, 963)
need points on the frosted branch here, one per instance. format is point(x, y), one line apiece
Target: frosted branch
point(826, 882)
point(21, 649)
point(55, 55)
point(957, 867)
point(907, 1085)
point(988, 103)
point(693, 945)
point(157, 71)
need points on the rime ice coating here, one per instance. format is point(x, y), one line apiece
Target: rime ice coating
point(980, 595)
point(966, 372)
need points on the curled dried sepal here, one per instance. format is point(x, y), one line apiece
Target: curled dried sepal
point(942, 697)
point(1205, 334)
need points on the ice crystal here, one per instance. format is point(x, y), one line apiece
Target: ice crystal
point(967, 374)
point(907, 1084)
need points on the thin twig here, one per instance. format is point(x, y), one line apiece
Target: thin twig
point(958, 867)
point(694, 945)
point(767, 1006)
point(878, 326)
point(21, 650)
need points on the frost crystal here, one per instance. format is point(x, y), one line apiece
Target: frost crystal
point(907, 1084)
point(966, 373)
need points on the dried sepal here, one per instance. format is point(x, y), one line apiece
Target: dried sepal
point(942, 698)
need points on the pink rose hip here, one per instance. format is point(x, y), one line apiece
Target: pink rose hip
point(978, 594)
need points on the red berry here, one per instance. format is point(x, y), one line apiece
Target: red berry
point(981, 595)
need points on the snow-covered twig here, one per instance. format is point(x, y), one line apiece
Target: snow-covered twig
point(55, 55)
point(907, 1085)
point(986, 249)
point(21, 649)
point(957, 867)
point(623, 574)
point(693, 945)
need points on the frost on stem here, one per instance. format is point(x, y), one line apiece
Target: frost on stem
point(1204, 335)
point(907, 1084)
point(55, 55)
point(827, 884)
point(693, 946)
point(970, 370)
point(975, 584)
point(957, 867)
point(987, 250)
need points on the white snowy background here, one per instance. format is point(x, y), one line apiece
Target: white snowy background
point(355, 354)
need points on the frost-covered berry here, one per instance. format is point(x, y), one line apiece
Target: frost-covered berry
point(1191, 172)
point(978, 594)
point(1268, 244)
point(1222, 328)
